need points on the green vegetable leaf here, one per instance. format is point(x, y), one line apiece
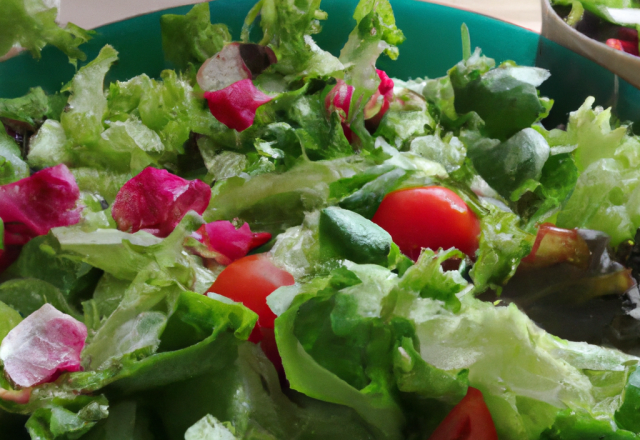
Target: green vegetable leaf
point(303, 188)
point(626, 415)
point(502, 245)
point(9, 318)
point(65, 420)
point(506, 166)
point(580, 425)
point(366, 200)
point(287, 26)
point(42, 259)
point(12, 167)
point(414, 375)
point(505, 98)
point(375, 32)
point(335, 348)
point(28, 295)
point(48, 146)
point(30, 108)
point(192, 38)
point(87, 104)
point(210, 428)
point(526, 375)
point(428, 279)
point(31, 24)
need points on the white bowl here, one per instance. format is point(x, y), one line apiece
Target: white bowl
point(554, 28)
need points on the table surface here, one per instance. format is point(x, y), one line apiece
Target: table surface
point(93, 13)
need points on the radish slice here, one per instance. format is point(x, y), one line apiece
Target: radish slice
point(235, 62)
point(44, 344)
point(156, 200)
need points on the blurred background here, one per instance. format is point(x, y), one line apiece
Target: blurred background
point(93, 13)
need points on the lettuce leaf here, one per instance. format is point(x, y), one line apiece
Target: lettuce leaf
point(505, 98)
point(87, 104)
point(337, 319)
point(12, 167)
point(606, 195)
point(191, 38)
point(502, 245)
point(287, 26)
point(303, 188)
point(31, 24)
point(527, 376)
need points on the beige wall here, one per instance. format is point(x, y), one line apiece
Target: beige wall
point(93, 13)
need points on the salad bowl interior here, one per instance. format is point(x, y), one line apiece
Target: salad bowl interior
point(433, 45)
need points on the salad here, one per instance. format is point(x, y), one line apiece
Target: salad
point(613, 22)
point(274, 242)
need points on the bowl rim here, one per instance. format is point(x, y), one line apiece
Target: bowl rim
point(620, 63)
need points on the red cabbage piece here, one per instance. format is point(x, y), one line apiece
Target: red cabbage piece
point(156, 200)
point(228, 243)
point(235, 105)
point(33, 205)
point(45, 344)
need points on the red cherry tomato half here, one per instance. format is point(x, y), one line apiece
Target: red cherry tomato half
point(468, 420)
point(250, 280)
point(428, 217)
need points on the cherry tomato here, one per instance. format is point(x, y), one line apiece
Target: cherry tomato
point(250, 280)
point(428, 217)
point(468, 420)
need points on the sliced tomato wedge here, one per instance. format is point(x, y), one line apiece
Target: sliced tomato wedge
point(468, 420)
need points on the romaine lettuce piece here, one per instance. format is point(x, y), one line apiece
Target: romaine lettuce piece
point(48, 146)
point(210, 428)
point(124, 255)
point(31, 24)
point(336, 348)
point(41, 259)
point(67, 418)
point(375, 32)
point(191, 39)
point(287, 27)
point(502, 245)
point(29, 294)
point(87, 104)
point(31, 108)
point(10, 318)
point(526, 375)
point(12, 167)
point(303, 188)
point(606, 195)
